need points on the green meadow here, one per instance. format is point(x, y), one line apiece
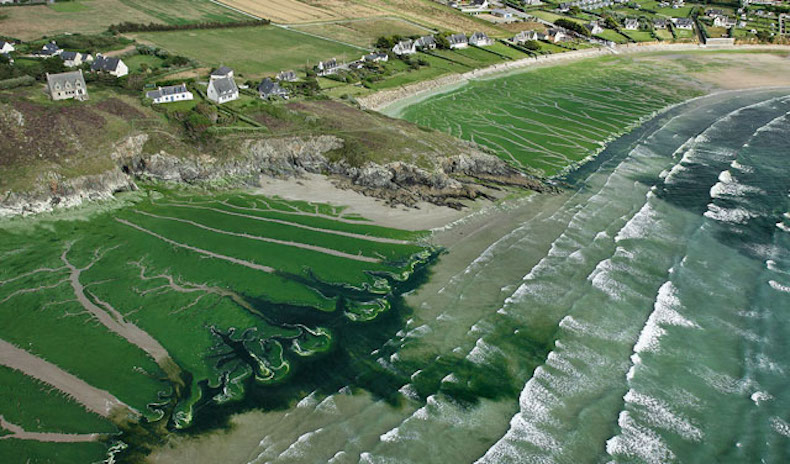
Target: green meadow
point(241, 293)
point(547, 119)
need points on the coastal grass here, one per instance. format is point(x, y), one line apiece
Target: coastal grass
point(250, 51)
point(178, 12)
point(362, 32)
point(14, 451)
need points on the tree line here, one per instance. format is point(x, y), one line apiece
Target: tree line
point(154, 27)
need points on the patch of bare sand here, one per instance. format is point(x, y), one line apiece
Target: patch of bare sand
point(51, 437)
point(735, 71)
point(99, 401)
point(317, 188)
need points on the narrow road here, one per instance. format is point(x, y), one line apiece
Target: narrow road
point(21, 434)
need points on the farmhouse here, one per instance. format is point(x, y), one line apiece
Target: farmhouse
point(268, 89)
point(6, 47)
point(480, 39)
point(49, 49)
point(594, 28)
point(683, 23)
point(525, 36)
point(111, 65)
point(67, 85)
point(426, 42)
point(287, 76)
point(328, 67)
point(375, 57)
point(73, 59)
point(631, 24)
point(169, 94)
point(221, 73)
point(458, 41)
point(222, 89)
point(405, 47)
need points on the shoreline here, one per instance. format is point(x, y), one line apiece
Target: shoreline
point(392, 101)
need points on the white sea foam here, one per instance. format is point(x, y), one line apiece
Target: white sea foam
point(659, 414)
point(761, 397)
point(743, 168)
point(780, 426)
point(779, 287)
point(783, 226)
point(736, 215)
point(635, 441)
point(665, 313)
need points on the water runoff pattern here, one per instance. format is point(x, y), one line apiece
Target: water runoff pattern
point(642, 316)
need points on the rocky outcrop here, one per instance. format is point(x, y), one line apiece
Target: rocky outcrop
point(64, 193)
point(470, 175)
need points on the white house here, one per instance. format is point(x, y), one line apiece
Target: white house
point(683, 23)
point(64, 86)
point(6, 47)
point(328, 67)
point(631, 24)
point(169, 94)
point(375, 57)
point(458, 41)
point(74, 59)
point(660, 23)
point(426, 42)
point(111, 65)
point(49, 49)
point(525, 36)
point(724, 21)
point(222, 90)
point(556, 35)
point(480, 39)
point(504, 14)
point(287, 76)
point(405, 47)
point(594, 28)
point(221, 73)
point(270, 89)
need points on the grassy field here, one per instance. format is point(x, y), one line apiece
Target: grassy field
point(561, 116)
point(640, 36)
point(362, 32)
point(614, 36)
point(250, 51)
point(240, 290)
point(664, 34)
point(92, 16)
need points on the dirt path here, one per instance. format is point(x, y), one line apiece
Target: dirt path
point(121, 52)
point(99, 401)
point(304, 246)
point(113, 319)
point(51, 437)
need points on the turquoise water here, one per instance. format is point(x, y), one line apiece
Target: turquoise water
point(641, 316)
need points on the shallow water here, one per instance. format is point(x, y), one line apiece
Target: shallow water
point(641, 316)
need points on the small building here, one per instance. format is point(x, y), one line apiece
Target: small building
point(74, 59)
point(405, 47)
point(660, 23)
point(594, 28)
point(631, 24)
point(67, 85)
point(222, 90)
point(724, 21)
point(556, 35)
point(110, 65)
point(170, 94)
point(287, 76)
point(375, 57)
point(525, 36)
point(221, 73)
point(480, 39)
point(328, 67)
point(458, 41)
point(269, 89)
point(712, 13)
point(6, 47)
point(683, 23)
point(427, 42)
point(501, 13)
point(49, 49)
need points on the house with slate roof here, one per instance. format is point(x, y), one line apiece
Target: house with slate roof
point(110, 65)
point(287, 76)
point(169, 94)
point(426, 42)
point(375, 57)
point(480, 39)
point(270, 89)
point(67, 85)
point(684, 23)
point(328, 67)
point(631, 24)
point(49, 49)
point(458, 41)
point(6, 47)
point(222, 72)
point(405, 47)
point(222, 89)
point(74, 59)
point(525, 36)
